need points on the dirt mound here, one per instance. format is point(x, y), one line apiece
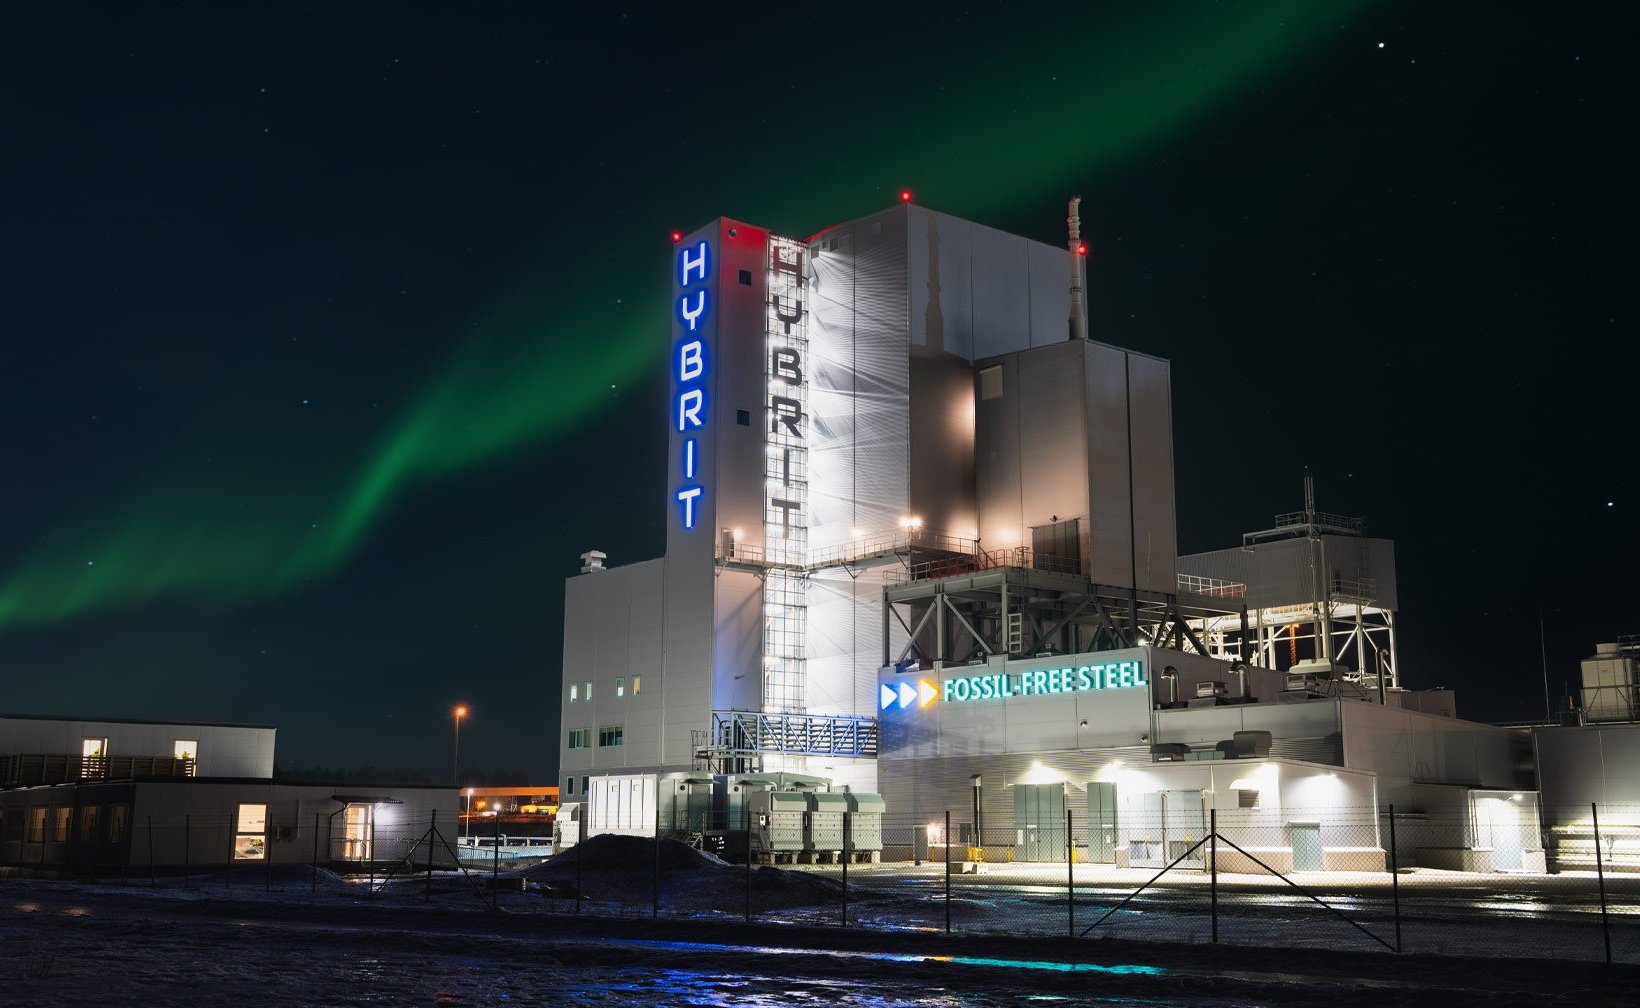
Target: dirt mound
point(621, 869)
point(607, 852)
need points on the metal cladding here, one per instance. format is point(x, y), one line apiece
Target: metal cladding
point(894, 386)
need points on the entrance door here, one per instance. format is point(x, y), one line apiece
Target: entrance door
point(1306, 846)
point(356, 839)
point(1039, 822)
point(1145, 833)
point(1101, 822)
point(1497, 823)
point(1184, 821)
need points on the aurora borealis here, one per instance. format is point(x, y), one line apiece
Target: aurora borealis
point(335, 337)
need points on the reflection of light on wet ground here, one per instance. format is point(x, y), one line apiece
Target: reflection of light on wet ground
point(904, 957)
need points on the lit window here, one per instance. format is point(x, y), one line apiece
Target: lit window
point(187, 750)
point(586, 689)
point(61, 818)
point(637, 685)
point(620, 687)
point(250, 840)
point(574, 692)
point(37, 825)
point(611, 735)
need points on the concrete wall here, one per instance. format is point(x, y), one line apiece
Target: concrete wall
point(1406, 747)
point(978, 292)
point(177, 823)
point(1281, 573)
point(613, 629)
point(224, 750)
point(1085, 431)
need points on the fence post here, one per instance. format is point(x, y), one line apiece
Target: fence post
point(432, 829)
point(845, 868)
point(1395, 877)
point(495, 863)
point(1070, 876)
point(227, 866)
point(946, 836)
point(655, 905)
point(314, 889)
point(151, 858)
point(1600, 878)
point(1213, 863)
point(580, 852)
point(187, 854)
point(746, 819)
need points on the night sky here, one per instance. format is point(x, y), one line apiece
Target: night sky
point(332, 337)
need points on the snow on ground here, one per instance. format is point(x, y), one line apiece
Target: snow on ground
point(293, 936)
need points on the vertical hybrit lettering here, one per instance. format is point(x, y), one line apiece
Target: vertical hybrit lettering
point(689, 365)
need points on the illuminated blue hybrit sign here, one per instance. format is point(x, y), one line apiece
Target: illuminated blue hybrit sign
point(689, 372)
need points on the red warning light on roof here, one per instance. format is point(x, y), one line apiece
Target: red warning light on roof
point(1081, 249)
point(905, 195)
point(677, 236)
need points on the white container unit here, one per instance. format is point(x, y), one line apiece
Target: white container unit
point(824, 832)
point(865, 827)
point(778, 822)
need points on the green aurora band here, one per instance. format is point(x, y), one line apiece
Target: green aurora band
point(214, 527)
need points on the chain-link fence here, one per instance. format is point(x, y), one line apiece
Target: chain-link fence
point(1497, 876)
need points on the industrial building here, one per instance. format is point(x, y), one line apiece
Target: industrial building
point(102, 795)
point(921, 542)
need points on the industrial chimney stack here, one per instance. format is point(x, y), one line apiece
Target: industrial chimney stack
point(1079, 304)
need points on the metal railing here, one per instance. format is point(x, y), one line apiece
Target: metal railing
point(809, 734)
point(30, 769)
point(895, 543)
point(1212, 587)
point(1019, 557)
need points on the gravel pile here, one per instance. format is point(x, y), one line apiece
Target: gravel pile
point(621, 869)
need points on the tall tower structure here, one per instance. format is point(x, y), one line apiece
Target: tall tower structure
point(826, 398)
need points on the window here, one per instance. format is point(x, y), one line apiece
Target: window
point(93, 757)
point(119, 822)
point(743, 417)
point(37, 825)
point(250, 841)
point(637, 685)
point(586, 785)
point(574, 692)
point(62, 818)
point(586, 690)
point(620, 687)
point(745, 278)
point(611, 735)
point(990, 382)
point(1246, 799)
point(187, 749)
point(569, 787)
point(89, 821)
point(578, 737)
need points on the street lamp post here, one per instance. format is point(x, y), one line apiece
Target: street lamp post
point(455, 758)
